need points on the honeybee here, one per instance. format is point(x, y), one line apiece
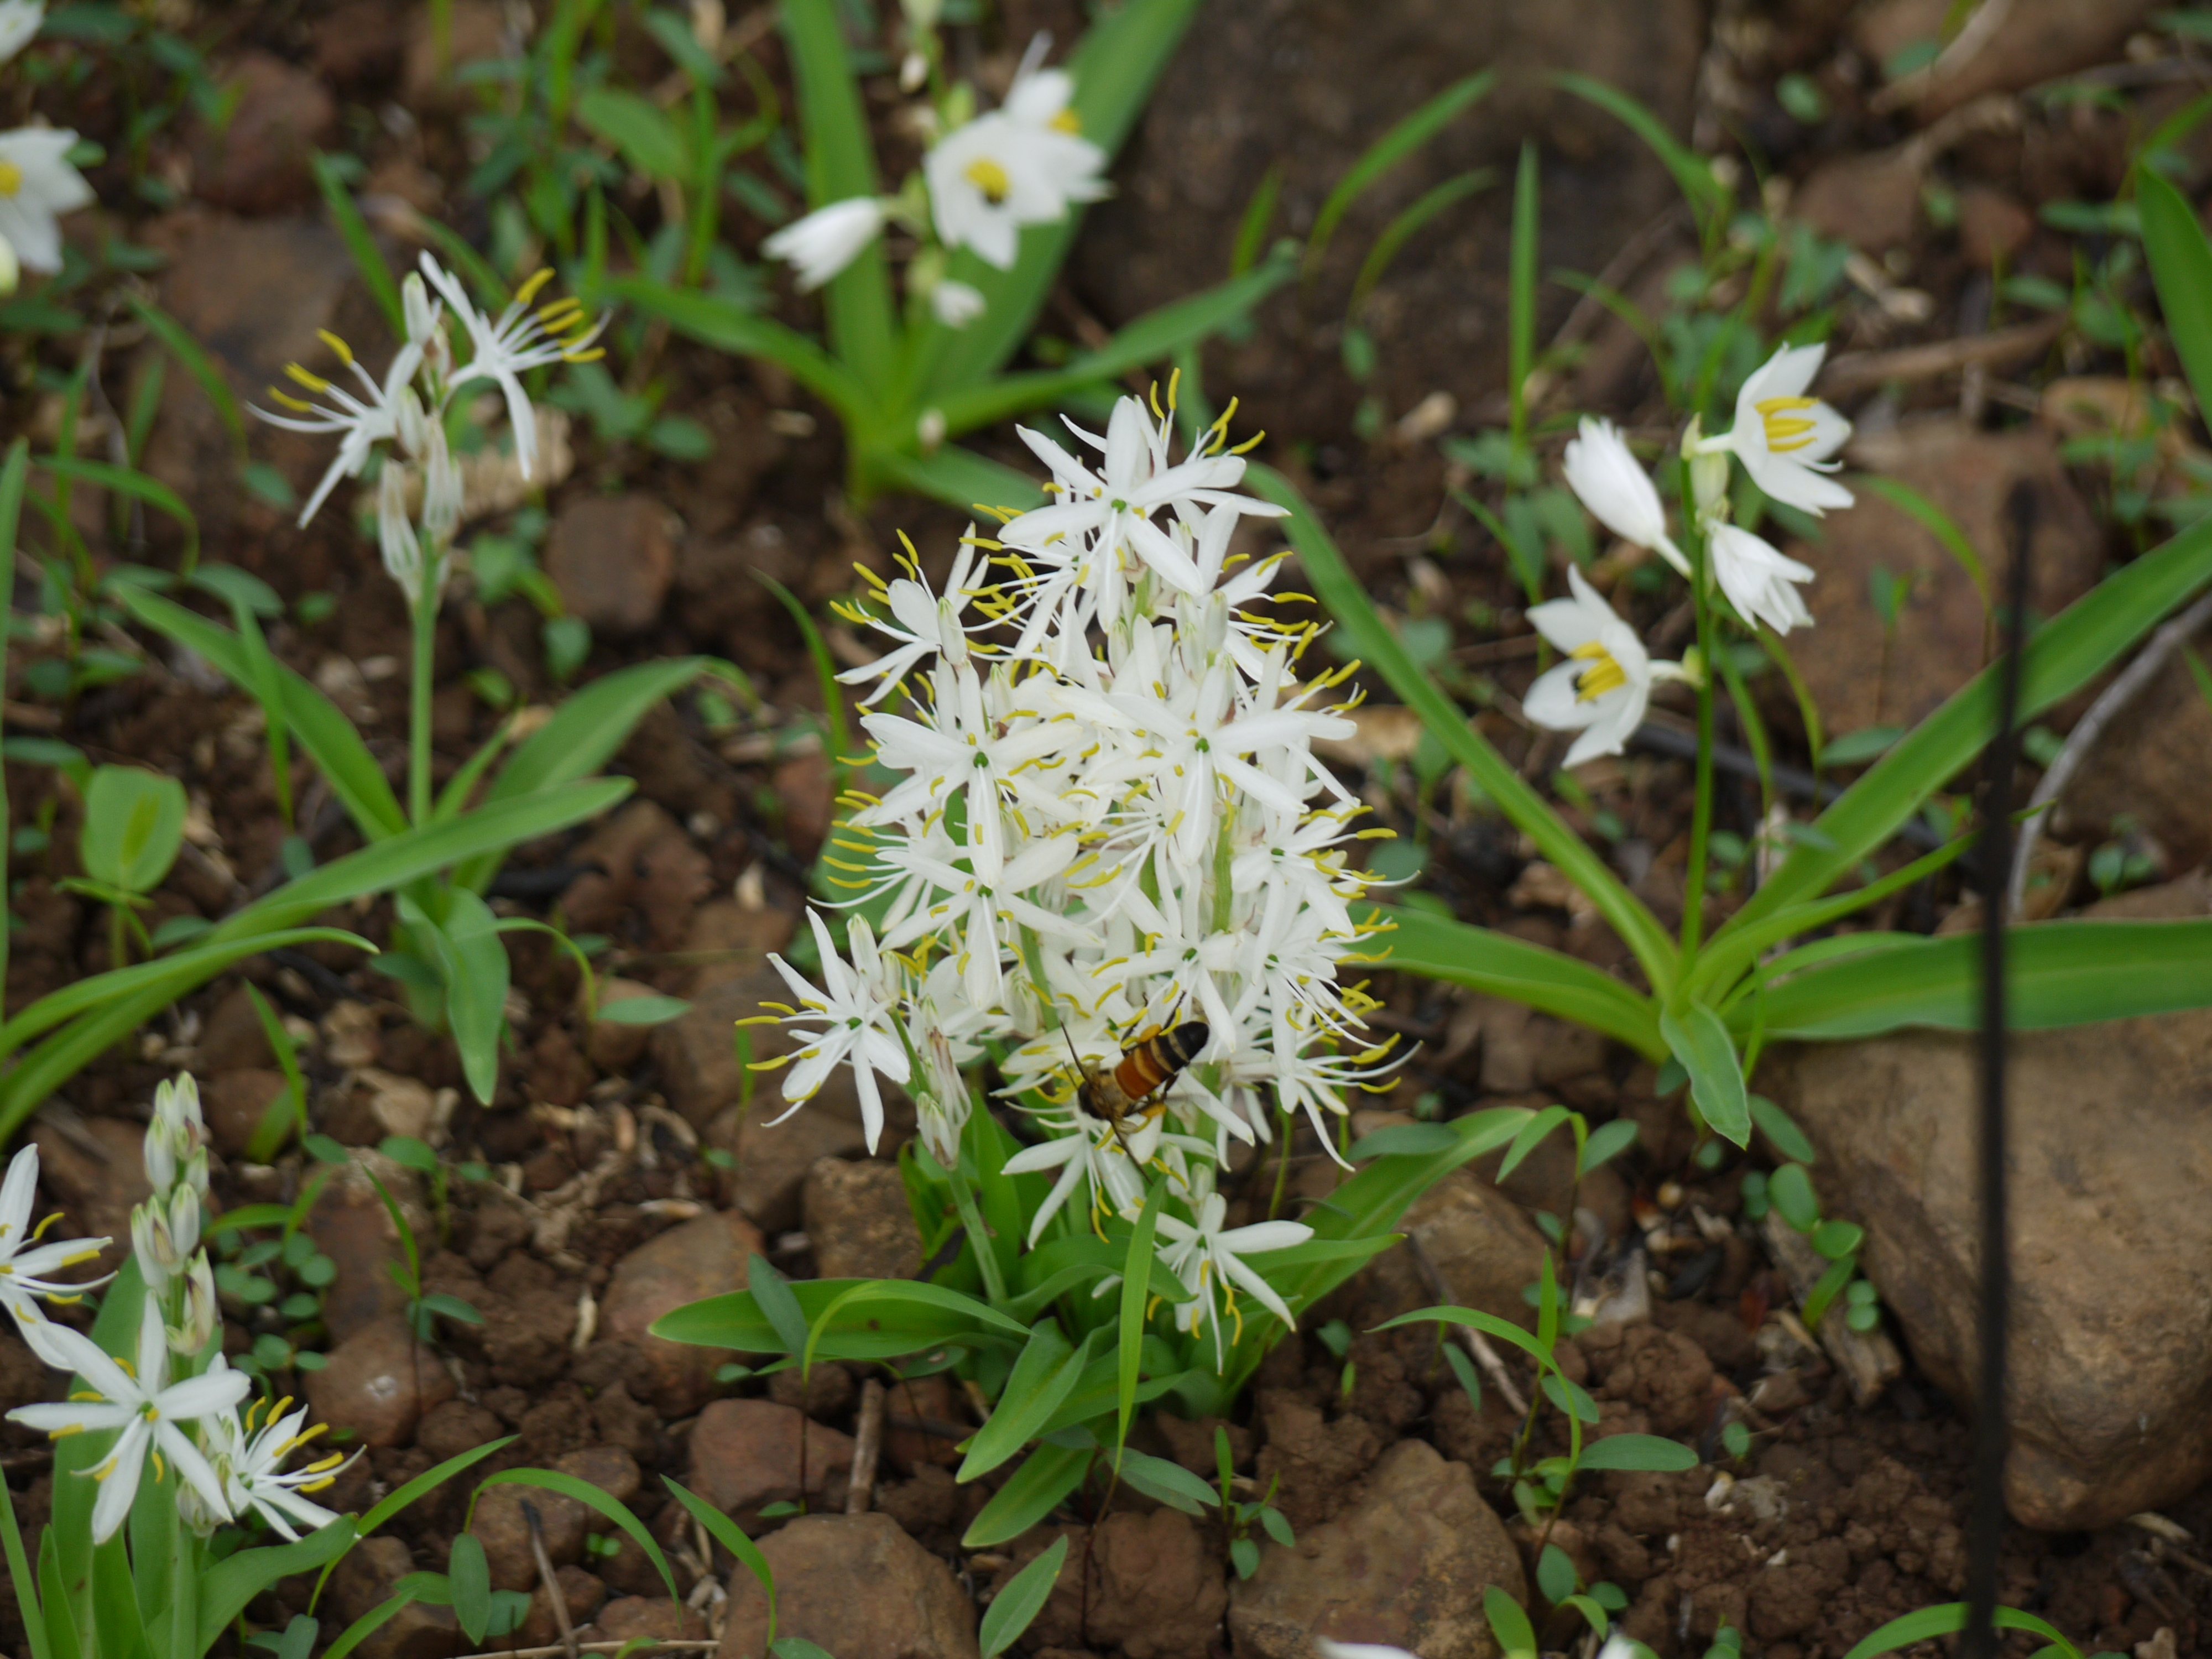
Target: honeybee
point(1143, 1070)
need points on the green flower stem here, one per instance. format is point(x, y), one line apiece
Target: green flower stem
point(1701, 821)
point(418, 715)
point(986, 1258)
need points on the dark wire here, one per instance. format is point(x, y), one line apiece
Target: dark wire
point(1985, 1521)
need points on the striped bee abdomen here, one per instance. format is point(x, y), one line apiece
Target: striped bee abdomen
point(1153, 1063)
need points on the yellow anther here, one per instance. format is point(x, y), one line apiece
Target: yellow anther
point(991, 179)
point(562, 312)
point(1067, 121)
point(11, 179)
point(314, 383)
point(1603, 674)
point(344, 351)
point(289, 402)
point(528, 291)
point(590, 356)
point(1785, 430)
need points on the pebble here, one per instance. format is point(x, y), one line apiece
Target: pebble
point(612, 558)
point(235, 1104)
point(704, 1257)
point(852, 1585)
point(259, 159)
point(378, 1383)
point(350, 1225)
point(858, 1221)
point(746, 1453)
point(363, 1579)
point(612, 1046)
point(649, 1618)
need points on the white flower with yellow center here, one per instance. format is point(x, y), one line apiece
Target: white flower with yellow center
point(1621, 494)
point(827, 239)
point(1605, 684)
point(854, 1009)
point(1758, 578)
point(148, 1409)
point(20, 21)
point(1020, 165)
point(1784, 438)
point(519, 340)
point(249, 1460)
point(37, 185)
point(1208, 1258)
point(25, 1264)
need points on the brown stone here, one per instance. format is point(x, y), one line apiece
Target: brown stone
point(1939, 642)
point(1156, 1587)
point(705, 1257)
point(378, 1383)
point(613, 1045)
point(231, 1039)
point(1868, 200)
point(2035, 41)
point(1484, 1248)
point(259, 159)
point(727, 940)
point(852, 1585)
point(363, 1579)
point(747, 1453)
point(648, 1619)
point(235, 1103)
point(648, 869)
point(350, 1224)
point(612, 558)
point(1338, 77)
point(502, 1525)
point(478, 34)
point(1407, 1566)
point(858, 1221)
point(1993, 226)
point(97, 1176)
point(2112, 1387)
point(581, 1595)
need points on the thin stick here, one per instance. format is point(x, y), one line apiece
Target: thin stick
point(1477, 1345)
point(635, 1644)
point(553, 1591)
point(866, 1444)
point(2090, 728)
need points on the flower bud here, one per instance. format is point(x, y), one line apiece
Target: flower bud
point(1708, 484)
point(177, 1132)
point(164, 1235)
point(202, 1317)
point(422, 312)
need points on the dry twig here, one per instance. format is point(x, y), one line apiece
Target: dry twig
point(551, 1580)
point(1477, 1346)
point(867, 1444)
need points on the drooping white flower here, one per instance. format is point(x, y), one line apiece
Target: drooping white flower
point(26, 1265)
point(826, 240)
point(1759, 578)
point(146, 1407)
point(923, 622)
point(19, 25)
point(1619, 493)
point(519, 340)
point(1783, 438)
point(250, 1462)
point(1329, 1649)
point(37, 185)
point(853, 1009)
point(1021, 165)
point(957, 304)
point(1209, 1260)
point(1604, 686)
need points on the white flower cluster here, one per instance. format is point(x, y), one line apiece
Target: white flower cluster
point(1784, 439)
point(227, 1465)
point(37, 183)
point(1109, 822)
point(984, 179)
point(418, 501)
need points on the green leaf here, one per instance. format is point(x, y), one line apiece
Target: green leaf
point(368, 1624)
point(1516, 1639)
point(1044, 1374)
point(360, 242)
point(1700, 1041)
point(1401, 141)
point(1035, 1489)
point(1497, 964)
point(1608, 1140)
point(592, 1497)
point(1167, 1483)
point(641, 1011)
point(962, 479)
point(198, 363)
point(1693, 173)
point(923, 1317)
point(1530, 1137)
point(2058, 974)
point(136, 486)
point(471, 1575)
point(724, 324)
point(651, 143)
point(1401, 229)
point(1936, 522)
point(2181, 269)
point(1948, 1620)
point(229, 1584)
point(134, 825)
point(1136, 1284)
point(1346, 599)
point(1780, 1128)
point(1015, 1608)
point(840, 163)
point(472, 961)
point(726, 1533)
point(1791, 1190)
point(773, 1293)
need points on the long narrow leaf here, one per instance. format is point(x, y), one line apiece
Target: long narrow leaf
point(2181, 269)
point(726, 1533)
point(1037, 1488)
point(1694, 174)
point(592, 1497)
point(962, 479)
point(1136, 1288)
point(362, 244)
point(723, 324)
point(840, 163)
point(1700, 1041)
point(129, 481)
point(228, 1586)
point(198, 363)
point(1387, 152)
point(1933, 519)
point(1347, 600)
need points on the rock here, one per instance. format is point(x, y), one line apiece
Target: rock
point(2151, 770)
point(1155, 1587)
point(1869, 201)
point(1992, 225)
point(1938, 643)
point(580, 1592)
point(455, 1427)
point(2035, 41)
point(729, 940)
point(378, 1383)
point(1484, 1248)
point(350, 1224)
point(647, 867)
point(612, 1045)
point(529, 1314)
point(704, 1257)
point(502, 1525)
point(97, 1176)
point(235, 1104)
point(2112, 1387)
point(852, 1585)
point(478, 35)
point(1310, 1462)
point(746, 1453)
point(648, 1619)
point(1338, 77)
point(260, 161)
point(858, 1221)
point(232, 1040)
point(612, 558)
point(1405, 1566)
point(359, 40)
point(363, 1579)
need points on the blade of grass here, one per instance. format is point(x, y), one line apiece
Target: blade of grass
point(1385, 153)
point(825, 678)
point(362, 244)
point(1521, 300)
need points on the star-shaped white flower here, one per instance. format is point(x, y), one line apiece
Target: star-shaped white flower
point(856, 1010)
point(1784, 438)
point(25, 1266)
point(19, 25)
point(37, 185)
point(146, 1408)
point(250, 1463)
point(1604, 686)
point(1758, 579)
point(1207, 1258)
point(519, 340)
point(827, 239)
point(1020, 165)
point(1601, 471)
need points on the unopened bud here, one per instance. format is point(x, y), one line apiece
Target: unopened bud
point(176, 1132)
point(201, 1316)
point(1708, 484)
point(164, 1235)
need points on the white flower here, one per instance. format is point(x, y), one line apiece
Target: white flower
point(251, 1468)
point(1757, 578)
point(854, 1012)
point(25, 1266)
point(957, 304)
point(1600, 469)
point(37, 185)
point(362, 422)
point(164, 1234)
point(176, 1133)
point(149, 1409)
point(1603, 687)
point(19, 25)
point(1329, 1649)
point(827, 239)
point(1081, 1145)
point(519, 341)
point(1204, 1257)
point(1784, 438)
point(1021, 165)
point(921, 621)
